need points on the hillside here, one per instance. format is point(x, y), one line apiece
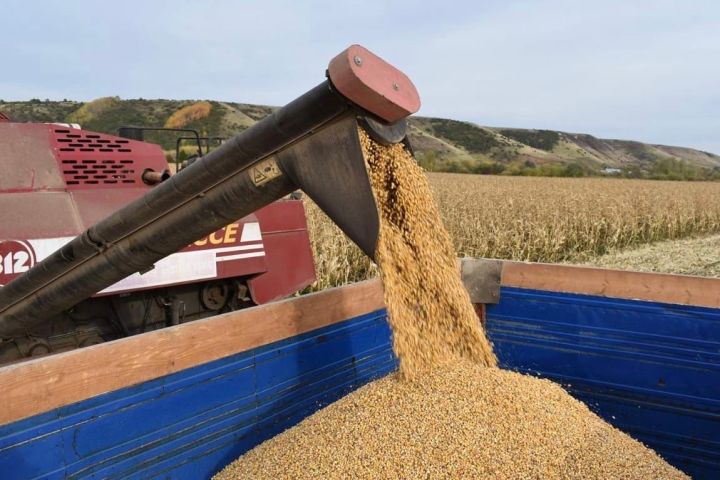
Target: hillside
point(440, 144)
point(450, 145)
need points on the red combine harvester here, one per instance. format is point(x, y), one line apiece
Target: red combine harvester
point(56, 182)
point(98, 241)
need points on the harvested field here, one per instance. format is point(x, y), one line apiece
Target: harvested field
point(462, 421)
point(693, 256)
point(538, 219)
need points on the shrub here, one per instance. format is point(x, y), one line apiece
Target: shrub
point(91, 110)
point(188, 114)
point(472, 138)
point(540, 139)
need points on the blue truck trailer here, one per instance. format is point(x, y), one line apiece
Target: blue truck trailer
point(641, 350)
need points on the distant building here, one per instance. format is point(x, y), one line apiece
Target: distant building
point(611, 171)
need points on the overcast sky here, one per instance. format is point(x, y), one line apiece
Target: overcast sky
point(642, 70)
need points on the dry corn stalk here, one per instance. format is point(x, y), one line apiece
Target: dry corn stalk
point(538, 219)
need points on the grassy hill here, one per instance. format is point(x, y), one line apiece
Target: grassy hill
point(450, 145)
point(440, 144)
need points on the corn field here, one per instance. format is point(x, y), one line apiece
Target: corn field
point(537, 219)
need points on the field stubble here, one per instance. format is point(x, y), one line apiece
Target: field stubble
point(537, 219)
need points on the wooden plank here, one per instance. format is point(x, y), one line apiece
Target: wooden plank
point(655, 287)
point(40, 385)
point(43, 384)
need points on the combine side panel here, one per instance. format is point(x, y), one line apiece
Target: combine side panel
point(290, 265)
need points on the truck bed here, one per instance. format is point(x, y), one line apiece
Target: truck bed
point(642, 350)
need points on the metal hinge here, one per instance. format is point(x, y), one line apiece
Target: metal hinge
point(481, 278)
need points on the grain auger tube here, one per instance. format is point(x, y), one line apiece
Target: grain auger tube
point(311, 144)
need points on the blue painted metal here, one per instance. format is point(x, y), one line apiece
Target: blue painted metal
point(192, 423)
point(650, 369)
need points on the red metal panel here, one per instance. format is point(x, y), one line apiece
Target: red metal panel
point(243, 268)
point(31, 215)
point(239, 258)
point(91, 160)
point(31, 161)
point(97, 203)
point(26, 159)
point(290, 267)
point(282, 216)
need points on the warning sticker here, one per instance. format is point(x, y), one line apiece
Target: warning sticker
point(264, 171)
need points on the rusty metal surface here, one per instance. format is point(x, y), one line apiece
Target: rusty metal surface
point(482, 279)
point(370, 82)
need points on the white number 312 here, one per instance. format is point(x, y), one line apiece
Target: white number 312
point(14, 262)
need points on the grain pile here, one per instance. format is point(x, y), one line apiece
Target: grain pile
point(448, 412)
point(459, 422)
